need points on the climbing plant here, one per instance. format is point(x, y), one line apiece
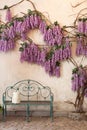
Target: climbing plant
point(57, 48)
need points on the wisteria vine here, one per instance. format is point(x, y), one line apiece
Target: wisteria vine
point(49, 58)
point(79, 84)
point(82, 37)
point(19, 27)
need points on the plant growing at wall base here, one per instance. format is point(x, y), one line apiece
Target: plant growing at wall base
point(79, 85)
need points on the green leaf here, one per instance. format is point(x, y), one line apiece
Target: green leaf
point(78, 34)
point(29, 12)
point(57, 47)
point(63, 46)
point(20, 19)
point(11, 23)
point(64, 26)
point(49, 55)
point(75, 70)
point(57, 63)
point(21, 49)
point(72, 78)
point(84, 19)
point(2, 26)
point(79, 19)
point(24, 45)
point(81, 66)
point(56, 23)
point(5, 7)
point(47, 27)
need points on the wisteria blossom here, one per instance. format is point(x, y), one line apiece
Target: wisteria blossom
point(81, 37)
point(8, 15)
point(19, 27)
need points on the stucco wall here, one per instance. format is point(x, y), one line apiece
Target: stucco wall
point(12, 70)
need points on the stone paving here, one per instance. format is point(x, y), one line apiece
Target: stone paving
point(42, 123)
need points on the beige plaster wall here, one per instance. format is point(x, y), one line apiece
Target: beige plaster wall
point(12, 70)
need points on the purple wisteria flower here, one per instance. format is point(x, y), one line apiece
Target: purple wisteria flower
point(8, 15)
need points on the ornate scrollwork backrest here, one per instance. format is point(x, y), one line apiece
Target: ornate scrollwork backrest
point(29, 89)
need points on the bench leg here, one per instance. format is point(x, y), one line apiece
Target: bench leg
point(4, 112)
point(27, 113)
point(51, 111)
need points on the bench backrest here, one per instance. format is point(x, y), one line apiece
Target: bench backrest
point(29, 90)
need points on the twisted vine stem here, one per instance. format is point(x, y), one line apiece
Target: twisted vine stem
point(18, 4)
point(79, 15)
point(78, 4)
point(13, 5)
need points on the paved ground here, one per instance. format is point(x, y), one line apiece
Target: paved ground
point(42, 123)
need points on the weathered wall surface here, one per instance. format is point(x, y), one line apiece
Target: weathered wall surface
point(12, 70)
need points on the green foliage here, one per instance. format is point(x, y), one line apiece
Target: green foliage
point(30, 12)
point(56, 23)
point(57, 63)
point(49, 54)
point(75, 70)
point(5, 7)
point(23, 45)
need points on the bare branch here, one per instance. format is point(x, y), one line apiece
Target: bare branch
point(20, 3)
point(73, 61)
point(78, 15)
point(32, 4)
point(69, 102)
point(78, 4)
point(82, 59)
point(14, 5)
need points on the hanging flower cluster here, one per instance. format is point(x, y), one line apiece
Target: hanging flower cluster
point(50, 58)
point(8, 15)
point(82, 37)
point(81, 47)
point(63, 52)
point(52, 35)
point(19, 27)
point(82, 26)
point(79, 79)
point(32, 53)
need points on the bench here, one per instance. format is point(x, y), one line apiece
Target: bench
point(32, 93)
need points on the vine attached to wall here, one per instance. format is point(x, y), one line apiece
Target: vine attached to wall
point(82, 37)
point(79, 84)
point(79, 73)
